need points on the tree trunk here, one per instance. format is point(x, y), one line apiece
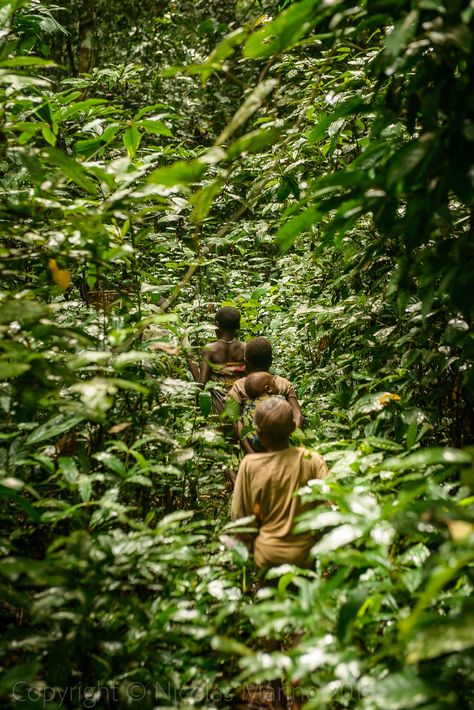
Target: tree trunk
point(86, 37)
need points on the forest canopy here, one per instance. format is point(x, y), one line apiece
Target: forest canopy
point(310, 163)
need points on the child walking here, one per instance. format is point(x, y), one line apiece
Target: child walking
point(266, 485)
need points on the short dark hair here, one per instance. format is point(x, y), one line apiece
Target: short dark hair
point(228, 318)
point(258, 354)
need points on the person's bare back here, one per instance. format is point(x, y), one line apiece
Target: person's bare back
point(222, 361)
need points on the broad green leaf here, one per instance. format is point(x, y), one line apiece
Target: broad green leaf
point(342, 535)
point(398, 691)
point(71, 169)
point(302, 222)
point(401, 33)
point(85, 487)
point(27, 62)
point(76, 107)
point(12, 369)
point(205, 403)
point(48, 135)
point(152, 125)
point(131, 141)
point(148, 109)
point(230, 646)
point(24, 311)
point(18, 82)
point(406, 159)
point(447, 635)
point(53, 427)
point(178, 174)
point(204, 198)
point(286, 29)
point(384, 444)
point(352, 106)
point(68, 468)
point(112, 462)
point(429, 457)
point(224, 49)
point(253, 142)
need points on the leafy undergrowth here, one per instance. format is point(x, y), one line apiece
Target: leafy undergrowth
point(321, 184)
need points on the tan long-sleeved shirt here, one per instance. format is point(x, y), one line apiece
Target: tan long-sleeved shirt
point(265, 487)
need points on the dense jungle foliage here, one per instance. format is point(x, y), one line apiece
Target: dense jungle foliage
point(311, 163)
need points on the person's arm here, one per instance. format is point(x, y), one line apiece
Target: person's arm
point(297, 413)
point(194, 369)
point(238, 498)
point(287, 391)
point(245, 444)
point(320, 466)
point(241, 503)
point(205, 369)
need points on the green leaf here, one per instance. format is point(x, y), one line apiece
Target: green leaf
point(429, 457)
point(74, 108)
point(24, 311)
point(68, 468)
point(253, 142)
point(85, 487)
point(302, 222)
point(27, 62)
point(224, 644)
point(205, 403)
point(352, 106)
point(384, 444)
point(401, 33)
point(111, 462)
point(445, 636)
point(342, 535)
point(12, 369)
point(204, 198)
point(54, 427)
point(180, 173)
point(131, 141)
point(348, 614)
point(223, 50)
point(48, 135)
point(287, 28)
point(152, 125)
point(405, 160)
point(71, 169)
point(398, 691)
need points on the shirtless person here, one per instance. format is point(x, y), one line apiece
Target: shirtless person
point(222, 361)
point(258, 358)
point(266, 484)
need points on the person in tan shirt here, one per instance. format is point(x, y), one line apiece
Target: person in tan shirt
point(266, 485)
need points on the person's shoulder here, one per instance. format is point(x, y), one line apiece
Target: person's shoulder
point(279, 378)
point(237, 391)
point(283, 385)
point(316, 461)
point(210, 350)
point(309, 453)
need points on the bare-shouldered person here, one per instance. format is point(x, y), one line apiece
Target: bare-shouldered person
point(222, 361)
